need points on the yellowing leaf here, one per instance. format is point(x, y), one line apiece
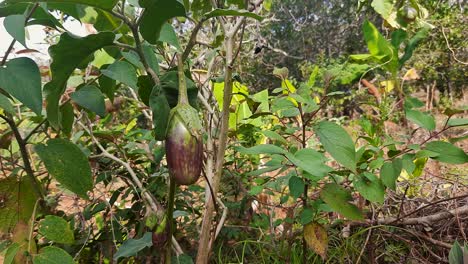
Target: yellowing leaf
point(316, 238)
point(411, 74)
point(387, 85)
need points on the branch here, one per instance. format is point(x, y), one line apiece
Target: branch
point(12, 44)
point(451, 50)
point(425, 220)
point(193, 39)
point(25, 156)
point(148, 198)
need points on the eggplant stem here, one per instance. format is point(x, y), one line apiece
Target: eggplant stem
point(183, 97)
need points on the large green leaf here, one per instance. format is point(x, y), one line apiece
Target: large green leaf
point(389, 173)
point(21, 78)
point(14, 25)
point(67, 55)
point(383, 7)
point(56, 229)
point(456, 254)
point(296, 186)
point(311, 161)
point(150, 57)
point(53, 255)
point(458, 122)
point(107, 85)
point(103, 4)
point(232, 12)
point(123, 72)
point(338, 143)
point(18, 204)
point(379, 47)
point(262, 149)
point(161, 110)
point(412, 44)
point(169, 36)
point(68, 118)
point(67, 164)
point(338, 199)
point(156, 13)
point(448, 153)
point(423, 120)
point(131, 247)
point(11, 252)
point(370, 187)
point(91, 98)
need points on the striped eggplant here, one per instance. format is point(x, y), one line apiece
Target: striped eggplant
point(184, 144)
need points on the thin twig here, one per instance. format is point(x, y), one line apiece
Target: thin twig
point(451, 50)
point(12, 44)
point(149, 199)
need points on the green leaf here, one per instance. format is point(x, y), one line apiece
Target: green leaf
point(423, 120)
point(389, 174)
point(296, 186)
point(150, 57)
point(264, 170)
point(398, 36)
point(14, 25)
point(370, 187)
point(383, 7)
point(18, 204)
point(10, 253)
point(131, 247)
point(123, 72)
point(412, 44)
point(254, 190)
point(107, 85)
point(338, 199)
point(458, 122)
point(232, 12)
point(56, 229)
point(156, 13)
point(68, 117)
point(311, 161)
point(6, 105)
point(379, 47)
point(307, 216)
point(103, 4)
point(275, 136)
point(361, 57)
point(133, 58)
point(200, 7)
point(448, 153)
point(456, 254)
point(67, 55)
point(145, 87)
point(91, 98)
point(67, 164)
point(169, 36)
point(261, 149)
point(338, 143)
point(53, 255)
point(21, 78)
point(161, 110)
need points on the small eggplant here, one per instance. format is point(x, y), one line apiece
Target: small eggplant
point(184, 145)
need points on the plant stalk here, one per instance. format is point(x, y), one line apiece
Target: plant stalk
point(170, 211)
point(183, 97)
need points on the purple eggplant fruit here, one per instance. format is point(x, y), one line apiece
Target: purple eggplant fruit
point(184, 144)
